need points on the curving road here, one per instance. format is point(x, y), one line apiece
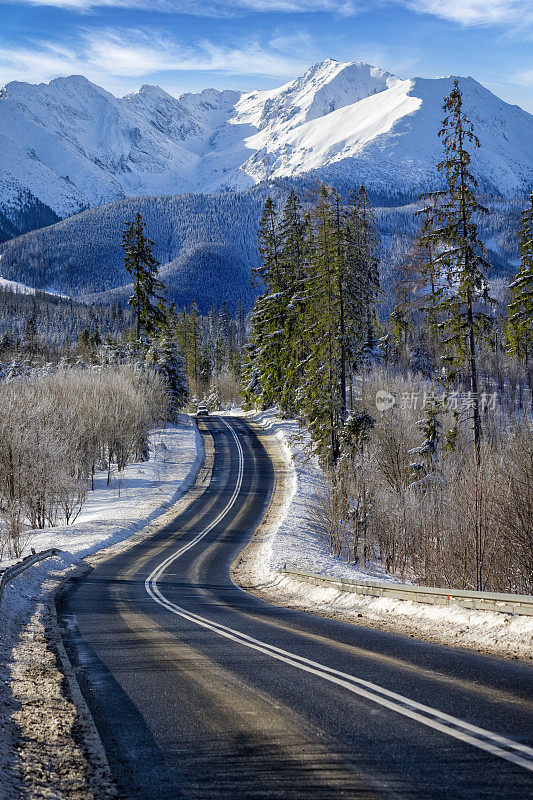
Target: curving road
point(200, 690)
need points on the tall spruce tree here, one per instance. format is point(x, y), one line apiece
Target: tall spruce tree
point(164, 356)
point(520, 319)
point(458, 253)
point(316, 314)
point(319, 397)
point(343, 282)
point(292, 262)
point(362, 269)
point(415, 318)
point(430, 273)
point(269, 314)
point(192, 347)
point(142, 265)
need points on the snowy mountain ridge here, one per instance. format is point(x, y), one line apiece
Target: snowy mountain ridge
point(70, 144)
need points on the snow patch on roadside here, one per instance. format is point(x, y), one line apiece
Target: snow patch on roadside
point(45, 747)
point(134, 497)
point(295, 544)
point(45, 742)
point(288, 540)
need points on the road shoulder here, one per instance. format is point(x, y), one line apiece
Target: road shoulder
point(49, 746)
point(284, 531)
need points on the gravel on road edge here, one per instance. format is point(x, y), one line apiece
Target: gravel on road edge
point(50, 748)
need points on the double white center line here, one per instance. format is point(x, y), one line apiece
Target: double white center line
point(445, 723)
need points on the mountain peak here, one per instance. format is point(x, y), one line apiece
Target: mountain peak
point(70, 80)
point(74, 84)
point(150, 91)
point(325, 87)
point(71, 144)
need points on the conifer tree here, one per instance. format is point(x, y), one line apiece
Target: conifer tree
point(96, 339)
point(343, 284)
point(320, 401)
point(292, 269)
point(425, 469)
point(317, 312)
point(193, 343)
point(83, 345)
point(31, 335)
point(418, 290)
point(429, 270)
point(459, 253)
point(362, 267)
point(141, 264)
point(164, 356)
point(240, 324)
point(520, 319)
point(269, 314)
point(400, 318)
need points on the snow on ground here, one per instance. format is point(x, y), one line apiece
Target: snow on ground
point(286, 539)
point(48, 745)
point(133, 498)
point(296, 545)
point(21, 288)
point(16, 287)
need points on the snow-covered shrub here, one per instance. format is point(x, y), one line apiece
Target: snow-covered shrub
point(57, 428)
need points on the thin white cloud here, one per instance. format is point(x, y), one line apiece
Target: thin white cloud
point(523, 78)
point(135, 53)
point(115, 60)
point(35, 65)
point(205, 7)
point(475, 12)
point(464, 12)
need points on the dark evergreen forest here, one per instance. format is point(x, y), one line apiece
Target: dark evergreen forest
point(207, 245)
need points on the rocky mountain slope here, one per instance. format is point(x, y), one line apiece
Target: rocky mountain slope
point(69, 145)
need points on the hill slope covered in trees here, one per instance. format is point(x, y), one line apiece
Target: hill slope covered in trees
point(206, 245)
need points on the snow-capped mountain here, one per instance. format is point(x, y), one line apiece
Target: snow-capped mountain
point(69, 145)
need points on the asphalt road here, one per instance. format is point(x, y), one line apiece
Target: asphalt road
point(200, 690)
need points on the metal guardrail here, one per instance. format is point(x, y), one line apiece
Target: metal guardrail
point(21, 566)
point(481, 601)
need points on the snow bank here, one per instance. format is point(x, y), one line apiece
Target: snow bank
point(286, 539)
point(48, 744)
point(294, 544)
point(133, 499)
point(21, 288)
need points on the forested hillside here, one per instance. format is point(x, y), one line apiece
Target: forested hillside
point(207, 245)
point(39, 324)
point(25, 213)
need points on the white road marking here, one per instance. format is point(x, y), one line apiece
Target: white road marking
point(481, 738)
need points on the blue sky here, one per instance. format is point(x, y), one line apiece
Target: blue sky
point(188, 45)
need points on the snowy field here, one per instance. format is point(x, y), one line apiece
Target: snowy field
point(21, 288)
point(134, 497)
point(37, 719)
point(287, 540)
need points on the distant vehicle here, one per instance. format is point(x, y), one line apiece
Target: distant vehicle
point(202, 411)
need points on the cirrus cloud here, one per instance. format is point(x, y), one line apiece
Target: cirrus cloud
point(199, 8)
point(118, 59)
point(464, 12)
